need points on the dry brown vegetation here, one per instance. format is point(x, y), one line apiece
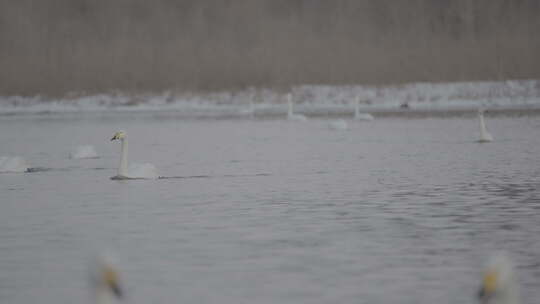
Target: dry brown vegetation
point(56, 46)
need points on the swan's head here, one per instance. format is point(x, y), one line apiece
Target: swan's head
point(118, 135)
point(481, 111)
point(498, 282)
point(105, 279)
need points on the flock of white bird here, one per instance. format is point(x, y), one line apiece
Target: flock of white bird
point(498, 285)
point(148, 171)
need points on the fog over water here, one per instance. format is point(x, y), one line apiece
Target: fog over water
point(56, 46)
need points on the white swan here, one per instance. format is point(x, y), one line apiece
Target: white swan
point(14, 164)
point(358, 115)
point(339, 124)
point(290, 115)
point(135, 171)
point(105, 281)
point(484, 134)
point(250, 110)
point(83, 152)
point(499, 284)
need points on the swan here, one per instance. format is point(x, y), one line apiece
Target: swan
point(14, 164)
point(250, 110)
point(135, 171)
point(484, 134)
point(105, 282)
point(83, 152)
point(290, 115)
point(358, 115)
point(499, 284)
point(339, 124)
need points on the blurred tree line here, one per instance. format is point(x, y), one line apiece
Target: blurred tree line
point(56, 46)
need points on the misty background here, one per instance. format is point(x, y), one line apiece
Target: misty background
point(53, 47)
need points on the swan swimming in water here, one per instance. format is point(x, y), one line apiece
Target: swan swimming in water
point(339, 125)
point(484, 134)
point(14, 164)
point(499, 284)
point(134, 171)
point(250, 111)
point(83, 152)
point(290, 115)
point(105, 281)
point(358, 115)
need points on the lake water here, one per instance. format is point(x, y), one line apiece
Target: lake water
point(398, 210)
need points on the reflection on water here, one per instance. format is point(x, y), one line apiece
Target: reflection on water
point(394, 211)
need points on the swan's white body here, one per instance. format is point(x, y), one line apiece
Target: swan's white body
point(134, 171)
point(104, 281)
point(290, 114)
point(358, 115)
point(484, 134)
point(339, 124)
point(499, 285)
point(14, 164)
point(83, 152)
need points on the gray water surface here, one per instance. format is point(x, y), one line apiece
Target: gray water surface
point(398, 210)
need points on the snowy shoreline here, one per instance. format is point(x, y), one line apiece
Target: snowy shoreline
point(313, 100)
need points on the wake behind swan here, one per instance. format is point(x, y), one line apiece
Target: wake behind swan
point(133, 171)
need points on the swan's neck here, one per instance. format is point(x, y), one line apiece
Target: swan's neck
point(482, 124)
point(122, 170)
point(356, 108)
point(290, 113)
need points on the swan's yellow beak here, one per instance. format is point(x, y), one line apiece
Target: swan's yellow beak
point(111, 281)
point(489, 286)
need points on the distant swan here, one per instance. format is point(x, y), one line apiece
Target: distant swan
point(339, 124)
point(250, 111)
point(484, 134)
point(290, 115)
point(135, 171)
point(499, 285)
point(358, 115)
point(105, 281)
point(14, 164)
point(83, 152)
